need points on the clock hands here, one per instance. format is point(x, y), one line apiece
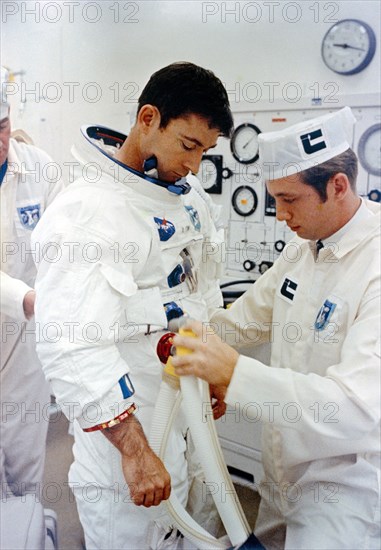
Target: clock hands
point(345, 46)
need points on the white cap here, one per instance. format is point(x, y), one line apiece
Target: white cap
point(4, 105)
point(306, 144)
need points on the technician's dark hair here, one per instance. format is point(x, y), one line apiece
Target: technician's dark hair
point(319, 175)
point(182, 89)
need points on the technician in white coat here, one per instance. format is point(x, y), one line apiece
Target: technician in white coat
point(130, 238)
point(319, 306)
point(28, 186)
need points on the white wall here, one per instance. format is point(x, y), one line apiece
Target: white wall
point(254, 47)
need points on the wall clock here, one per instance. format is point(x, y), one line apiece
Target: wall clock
point(348, 46)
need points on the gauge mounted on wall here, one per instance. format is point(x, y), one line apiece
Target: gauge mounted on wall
point(244, 143)
point(210, 174)
point(245, 200)
point(348, 46)
point(369, 150)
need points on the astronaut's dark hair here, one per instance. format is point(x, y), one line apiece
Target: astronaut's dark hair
point(319, 175)
point(182, 89)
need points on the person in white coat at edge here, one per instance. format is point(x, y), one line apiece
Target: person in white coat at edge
point(133, 238)
point(29, 183)
point(319, 306)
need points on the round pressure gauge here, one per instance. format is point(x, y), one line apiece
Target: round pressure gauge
point(369, 150)
point(244, 143)
point(245, 200)
point(210, 173)
point(348, 46)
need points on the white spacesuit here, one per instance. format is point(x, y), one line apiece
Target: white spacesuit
point(132, 254)
point(28, 187)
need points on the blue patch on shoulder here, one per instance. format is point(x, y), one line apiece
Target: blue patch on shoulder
point(165, 228)
point(195, 219)
point(324, 315)
point(29, 215)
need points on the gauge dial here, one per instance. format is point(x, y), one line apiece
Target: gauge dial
point(210, 173)
point(369, 150)
point(245, 200)
point(244, 143)
point(348, 46)
point(207, 174)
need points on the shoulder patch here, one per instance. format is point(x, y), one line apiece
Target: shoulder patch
point(287, 289)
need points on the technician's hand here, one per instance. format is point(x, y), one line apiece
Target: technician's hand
point(217, 395)
point(212, 360)
point(148, 480)
point(28, 304)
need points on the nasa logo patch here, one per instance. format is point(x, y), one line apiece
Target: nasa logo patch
point(165, 228)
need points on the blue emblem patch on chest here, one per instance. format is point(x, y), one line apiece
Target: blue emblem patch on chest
point(195, 219)
point(324, 315)
point(29, 215)
point(165, 228)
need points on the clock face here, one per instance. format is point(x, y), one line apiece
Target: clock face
point(245, 200)
point(348, 46)
point(244, 143)
point(369, 150)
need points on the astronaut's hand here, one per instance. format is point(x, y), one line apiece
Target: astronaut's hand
point(148, 480)
point(210, 358)
point(145, 474)
point(28, 303)
point(217, 395)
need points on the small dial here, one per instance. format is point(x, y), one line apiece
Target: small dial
point(210, 173)
point(244, 143)
point(369, 150)
point(207, 174)
point(245, 200)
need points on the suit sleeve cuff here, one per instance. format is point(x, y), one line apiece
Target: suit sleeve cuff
point(12, 297)
point(243, 385)
point(111, 405)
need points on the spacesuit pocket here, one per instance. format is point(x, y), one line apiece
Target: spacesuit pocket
point(120, 282)
point(145, 308)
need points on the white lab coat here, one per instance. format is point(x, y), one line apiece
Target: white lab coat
point(29, 186)
point(320, 399)
point(111, 292)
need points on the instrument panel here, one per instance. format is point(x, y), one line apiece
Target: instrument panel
point(254, 237)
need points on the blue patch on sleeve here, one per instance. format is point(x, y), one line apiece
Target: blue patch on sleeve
point(126, 386)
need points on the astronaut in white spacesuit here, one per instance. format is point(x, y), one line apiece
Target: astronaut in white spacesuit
point(28, 186)
point(132, 237)
point(319, 306)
